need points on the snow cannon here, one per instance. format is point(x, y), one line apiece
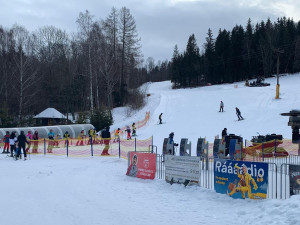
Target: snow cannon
point(230, 146)
point(219, 149)
point(294, 122)
point(201, 147)
point(185, 147)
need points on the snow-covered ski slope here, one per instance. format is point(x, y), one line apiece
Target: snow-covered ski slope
point(54, 190)
point(194, 112)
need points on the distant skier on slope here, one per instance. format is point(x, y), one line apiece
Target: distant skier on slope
point(160, 119)
point(221, 106)
point(128, 133)
point(133, 130)
point(238, 113)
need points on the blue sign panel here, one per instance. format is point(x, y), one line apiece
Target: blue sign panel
point(240, 179)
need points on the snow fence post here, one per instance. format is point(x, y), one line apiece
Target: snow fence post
point(135, 144)
point(92, 152)
point(44, 146)
point(262, 150)
point(152, 145)
point(67, 147)
point(119, 148)
point(275, 148)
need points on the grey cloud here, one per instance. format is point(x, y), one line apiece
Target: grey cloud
point(161, 23)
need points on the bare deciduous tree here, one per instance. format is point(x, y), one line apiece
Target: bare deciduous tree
point(85, 23)
point(25, 73)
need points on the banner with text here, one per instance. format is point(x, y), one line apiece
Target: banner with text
point(142, 165)
point(182, 168)
point(240, 179)
point(294, 179)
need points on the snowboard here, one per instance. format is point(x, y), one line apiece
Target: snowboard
point(241, 119)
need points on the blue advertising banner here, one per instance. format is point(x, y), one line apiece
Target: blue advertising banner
point(240, 179)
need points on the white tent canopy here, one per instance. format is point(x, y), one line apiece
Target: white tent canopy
point(50, 113)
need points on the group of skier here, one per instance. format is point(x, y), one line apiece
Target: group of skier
point(237, 111)
point(14, 145)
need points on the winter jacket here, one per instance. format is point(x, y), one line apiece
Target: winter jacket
point(6, 138)
point(22, 140)
point(51, 135)
point(66, 135)
point(106, 134)
point(12, 141)
point(224, 133)
point(29, 136)
point(35, 136)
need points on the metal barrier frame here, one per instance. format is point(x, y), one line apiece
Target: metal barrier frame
point(278, 174)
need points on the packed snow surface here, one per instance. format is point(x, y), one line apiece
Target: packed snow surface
point(52, 190)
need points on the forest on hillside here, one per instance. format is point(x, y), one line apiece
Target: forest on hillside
point(101, 66)
point(95, 68)
point(242, 53)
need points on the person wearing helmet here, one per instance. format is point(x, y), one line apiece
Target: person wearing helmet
point(133, 130)
point(128, 133)
point(171, 141)
point(66, 137)
point(160, 118)
point(106, 138)
point(51, 136)
point(6, 142)
point(221, 106)
point(80, 138)
point(117, 135)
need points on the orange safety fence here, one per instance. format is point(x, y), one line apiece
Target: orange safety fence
point(83, 147)
point(271, 149)
point(138, 124)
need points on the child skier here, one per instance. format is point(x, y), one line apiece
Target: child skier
point(6, 142)
point(128, 133)
point(133, 130)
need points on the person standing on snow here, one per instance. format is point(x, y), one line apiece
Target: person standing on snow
point(51, 136)
point(133, 130)
point(106, 136)
point(117, 135)
point(221, 106)
point(21, 143)
point(238, 113)
point(12, 143)
point(224, 133)
point(171, 141)
point(35, 139)
point(160, 119)
point(29, 136)
point(6, 142)
point(128, 133)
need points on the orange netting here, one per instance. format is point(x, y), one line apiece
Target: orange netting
point(82, 147)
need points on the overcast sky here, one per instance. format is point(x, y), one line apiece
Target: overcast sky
point(161, 24)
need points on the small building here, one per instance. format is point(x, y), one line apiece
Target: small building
point(50, 117)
